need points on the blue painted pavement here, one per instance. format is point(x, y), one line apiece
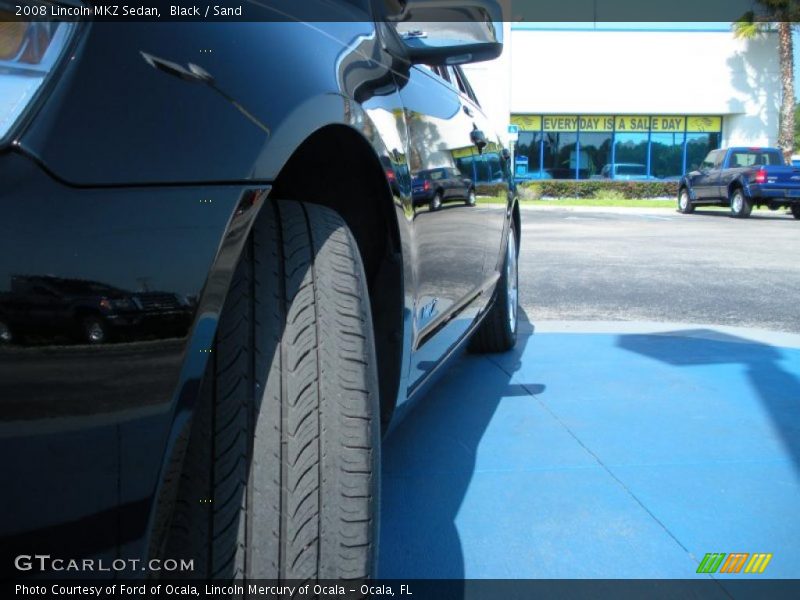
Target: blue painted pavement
point(598, 455)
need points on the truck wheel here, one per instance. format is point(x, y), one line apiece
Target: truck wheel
point(281, 474)
point(741, 206)
point(6, 337)
point(498, 331)
point(685, 205)
point(95, 330)
point(471, 198)
point(796, 211)
point(436, 201)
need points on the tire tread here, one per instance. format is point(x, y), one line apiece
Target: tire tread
point(285, 441)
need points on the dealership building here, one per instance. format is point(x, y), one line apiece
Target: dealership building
point(591, 100)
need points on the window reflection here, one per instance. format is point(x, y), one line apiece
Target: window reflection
point(698, 145)
point(566, 147)
point(630, 156)
point(595, 154)
point(528, 155)
point(666, 155)
point(560, 154)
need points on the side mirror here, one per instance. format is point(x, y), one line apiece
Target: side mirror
point(443, 32)
point(478, 138)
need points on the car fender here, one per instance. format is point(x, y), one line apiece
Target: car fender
point(743, 182)
point(685, 182)
point(215, 130)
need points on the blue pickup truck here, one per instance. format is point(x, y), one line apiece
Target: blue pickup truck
point(742, 178)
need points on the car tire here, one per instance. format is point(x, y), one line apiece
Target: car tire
point(471, 198)
point(498, 330)
point(685, 204)
point(796, 211)
point(281, 474)
point(436, 201)
point(6, 335)
point(741, 206)
point(94, 330)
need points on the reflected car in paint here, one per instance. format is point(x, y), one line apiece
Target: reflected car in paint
point(434, 187)
point(626, 172)
point(84, 311)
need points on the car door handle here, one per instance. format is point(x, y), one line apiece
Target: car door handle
point(467, 110)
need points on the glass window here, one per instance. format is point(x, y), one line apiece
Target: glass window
point(481, 167)
point(528, 146)
point(630, 160)
point(560, 155)
point(630, 170)
point(595, 153)
point(495, 166)
point(666, 155)
point(464, 85)
point(749, 158)
point(466, 165)
point(698, 145)
point(709, 161)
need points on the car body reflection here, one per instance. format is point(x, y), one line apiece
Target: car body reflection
point(58, 309)
point(445, 184)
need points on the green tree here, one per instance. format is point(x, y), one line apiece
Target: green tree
point(797, 125)
point(781, 15)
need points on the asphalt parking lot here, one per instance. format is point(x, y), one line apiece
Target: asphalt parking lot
point(649, 415)
point(659, 265)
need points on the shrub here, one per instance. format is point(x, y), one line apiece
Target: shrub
point(602, 189)
point(609, 195)
point(490, 189)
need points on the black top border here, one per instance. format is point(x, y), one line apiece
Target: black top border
point(216, 11)
point(413, 589)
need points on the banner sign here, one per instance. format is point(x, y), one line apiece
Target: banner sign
point(527, 122)
point(704, 124)
point(668, 124)
point(621, 123)
point(637, 123)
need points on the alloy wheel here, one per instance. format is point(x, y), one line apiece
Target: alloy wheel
point(512, 279)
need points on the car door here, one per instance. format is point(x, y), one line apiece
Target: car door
point(449, 183)
point(717, 189)
point(449, 242)
point(44, 308)
point(491, 179)
point(706, 183)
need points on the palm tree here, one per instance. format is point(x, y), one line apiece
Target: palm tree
point(781, 15)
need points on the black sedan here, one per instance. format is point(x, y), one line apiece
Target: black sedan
point(262, 168)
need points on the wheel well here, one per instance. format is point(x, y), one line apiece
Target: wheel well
point(336, 167)
point(515, 216)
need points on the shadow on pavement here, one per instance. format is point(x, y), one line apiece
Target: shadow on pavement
point(430, 457)
point(777, 215)
point(778, 389)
